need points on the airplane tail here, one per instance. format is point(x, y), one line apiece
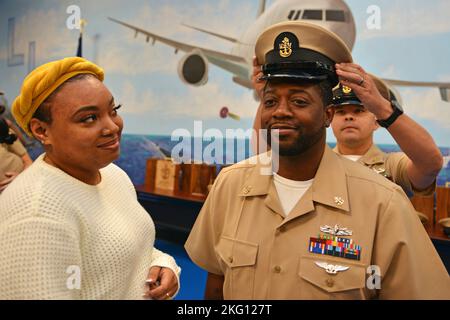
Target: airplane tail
point(262, 8)
point(445, 94)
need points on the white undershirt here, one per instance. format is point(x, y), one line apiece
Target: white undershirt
point(290, 191)
point(352, 157)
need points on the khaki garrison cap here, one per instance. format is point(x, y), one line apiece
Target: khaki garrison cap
point(300, 50)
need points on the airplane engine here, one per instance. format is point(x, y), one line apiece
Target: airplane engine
point(193, 68)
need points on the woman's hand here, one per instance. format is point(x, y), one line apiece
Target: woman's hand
point(162, 283)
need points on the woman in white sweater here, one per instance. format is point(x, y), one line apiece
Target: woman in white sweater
point(70, 225)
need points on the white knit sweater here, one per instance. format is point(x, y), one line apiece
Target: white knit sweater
point(58, 233)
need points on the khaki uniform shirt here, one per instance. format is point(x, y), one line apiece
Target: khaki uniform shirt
point(392, 166)
point(241, 233)
point(11, 158)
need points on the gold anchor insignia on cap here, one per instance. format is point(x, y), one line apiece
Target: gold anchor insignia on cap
point(285, 48)
point(339, 201)
point(331, 268)
point(346, 89)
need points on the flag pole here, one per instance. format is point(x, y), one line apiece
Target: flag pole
point(80, 38)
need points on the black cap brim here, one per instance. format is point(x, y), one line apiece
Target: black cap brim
point(312, 71)
point(290, 76)
point(345, 102)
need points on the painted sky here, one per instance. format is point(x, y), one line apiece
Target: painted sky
point(412, 44)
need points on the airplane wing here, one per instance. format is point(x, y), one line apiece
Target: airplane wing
point(232, 63)
point(221, 36)
point(444, 87)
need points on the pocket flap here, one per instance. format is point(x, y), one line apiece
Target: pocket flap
point(352, 278)
point(237, 253)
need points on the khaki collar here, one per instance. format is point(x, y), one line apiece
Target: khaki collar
point(329, 187)
point(373, 156)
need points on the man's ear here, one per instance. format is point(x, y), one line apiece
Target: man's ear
point(375, 125)
point(39, 129)
point(329, 114)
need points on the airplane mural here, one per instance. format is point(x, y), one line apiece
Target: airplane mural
point(333, 15)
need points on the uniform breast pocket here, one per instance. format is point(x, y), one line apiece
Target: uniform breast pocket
point(239, 258)
point(325, 278)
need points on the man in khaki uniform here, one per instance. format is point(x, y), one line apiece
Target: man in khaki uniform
point(415, 169)
point(354, 123)
point(321, 226)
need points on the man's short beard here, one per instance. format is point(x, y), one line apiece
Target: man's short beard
point(302, 144)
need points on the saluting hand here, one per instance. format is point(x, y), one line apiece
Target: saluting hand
point(162, 283)
point(353, 76)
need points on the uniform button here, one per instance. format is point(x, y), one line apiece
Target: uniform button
point(277, 269)
point(330, 282)
point(247, 189)
point(230, 259)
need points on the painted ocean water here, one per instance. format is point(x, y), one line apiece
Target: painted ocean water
point(136, 149)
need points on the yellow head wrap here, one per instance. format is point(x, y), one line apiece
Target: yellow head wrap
point(44, 80)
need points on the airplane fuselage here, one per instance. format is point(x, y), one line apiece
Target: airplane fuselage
point(333, 15)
